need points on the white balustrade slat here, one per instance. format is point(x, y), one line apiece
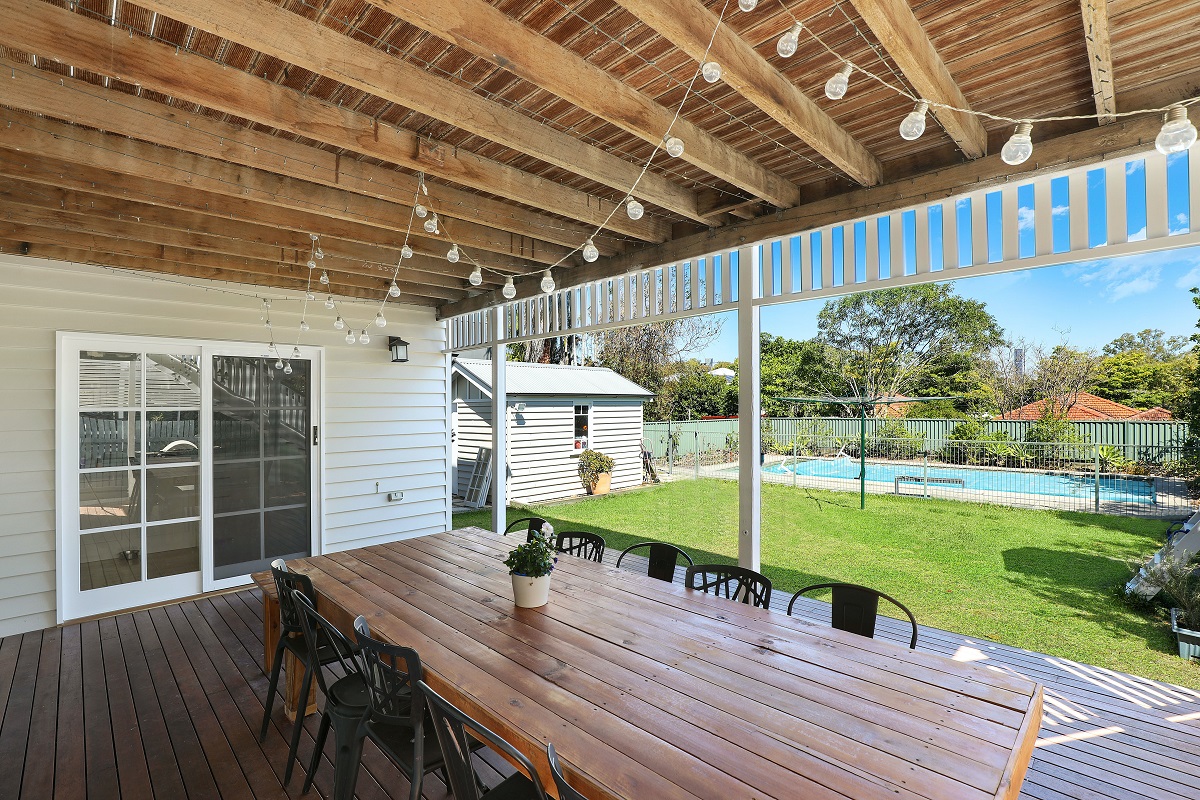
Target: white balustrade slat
point(826, 257)
point(1010, 223)
point(871, 259)
point(924, 261)
point(950, 234)
point(785, 266)
point(979, 232)
point(1157, 223)
point(850, 254)
point(1193, 158)
point(896, 244)
point(1043, 217)
point(1077, 209)
point(1114, 203)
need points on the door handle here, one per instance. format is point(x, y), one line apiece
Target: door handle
point(316, 435)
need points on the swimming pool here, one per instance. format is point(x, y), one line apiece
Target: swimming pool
point(1053, 484)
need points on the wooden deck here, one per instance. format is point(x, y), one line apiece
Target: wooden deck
point(166, 703)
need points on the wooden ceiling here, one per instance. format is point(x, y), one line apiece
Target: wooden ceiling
point(208, 139)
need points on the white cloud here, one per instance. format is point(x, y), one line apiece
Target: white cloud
point(1024, 219)
point(1138, 235)
point(1134, 167)
point(1059, 211)
point(1189, 279)
point(1120, 278)
point(1180, 223)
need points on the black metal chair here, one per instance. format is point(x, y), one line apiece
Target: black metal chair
point(856, 607)
point(397, 719)
point(291, 639)
point(532, 526)
point(565, 790)
point(663, 559)
point(450, 725)
point(346, 701)
point(733, 583)
point(583, 544)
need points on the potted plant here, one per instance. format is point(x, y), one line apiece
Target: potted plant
point(1174, 576)
point(595, 470)
point(530, 565)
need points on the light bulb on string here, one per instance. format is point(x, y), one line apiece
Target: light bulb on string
point(634, 209)
point(406, 252)
point(296, 352)
point(674, 146)
point(452, 255)
point(350, 337)
point(711, 71)
point(303, 326)
point(476, 276)
point(431, 224)
point(510, 290)
point(319, 253)
point(279, 363)
point(1019, 147)
point(324, 277)
point(1177, 134)
point(380, 322)
point(835, 87)
point(364, 337)
point(339, 323)
point(789, 42)
point(312, 264)
point(329, 302)
point(914, 124)
point(266, 322)
point(590, 252)
point(547, 282)
point(747, 5)
point(393, 290)
point(309, 296)
point(421, 211)
point(287, 368)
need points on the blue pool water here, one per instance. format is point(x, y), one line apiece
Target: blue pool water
point(1112, 489)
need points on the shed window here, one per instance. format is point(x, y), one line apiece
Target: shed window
point(583, 425)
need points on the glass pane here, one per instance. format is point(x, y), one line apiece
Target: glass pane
point(110, 558)
point(286, 534)
point(287, 432)
point(172, 380)
point(237, 544)
point(172, 492)
point(110, 379)
point(172, 436)
point(110, 439)
point(108, 499)
point(236, 487)
point(235, 435)
point(287, 482)
point(288, 391)
point(172, 549)
point(235, 382)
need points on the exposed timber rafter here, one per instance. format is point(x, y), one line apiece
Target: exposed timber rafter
point(899, 31)
point(689, 25)
point(56, 33)
point(489, 33)
point(1099, 50)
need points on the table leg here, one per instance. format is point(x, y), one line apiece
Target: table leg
point(270, 630)
point(293, 669)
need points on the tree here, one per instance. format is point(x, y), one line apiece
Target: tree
point(790, 368)
point(1006, 374)
point(694, 393)
point(1189, 405)
point(885, 340)
point(1060, 376)
point(1154, 343)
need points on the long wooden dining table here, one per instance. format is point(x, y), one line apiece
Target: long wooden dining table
point(650, 691)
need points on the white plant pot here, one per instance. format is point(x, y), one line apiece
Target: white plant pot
point(530, 592)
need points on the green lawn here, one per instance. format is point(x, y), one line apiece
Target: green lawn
point(1040, 580)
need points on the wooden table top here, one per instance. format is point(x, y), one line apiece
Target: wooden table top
point(650, 691)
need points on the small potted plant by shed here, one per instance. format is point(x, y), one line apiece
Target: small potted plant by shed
point(530, 565)
point(1176, 577)
point(595, 470)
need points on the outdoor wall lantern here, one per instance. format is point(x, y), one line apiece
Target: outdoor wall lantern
point(399, 349)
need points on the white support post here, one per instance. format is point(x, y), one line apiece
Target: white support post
point(749, 470)
point(499, 430)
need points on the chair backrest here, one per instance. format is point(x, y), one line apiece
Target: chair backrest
point(583, 544)
point(732, 583)
point(531, 524)
point(318, 633)
point(856, 607)
point(391, 672)
point(565, 790)
point(451, 726)
point(285, 583)
point(663, 558)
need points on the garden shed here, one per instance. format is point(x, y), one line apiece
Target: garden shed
point(554, 413)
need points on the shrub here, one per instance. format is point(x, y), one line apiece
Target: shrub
point(591, 464)
point(893, 439)
point(1175, 578)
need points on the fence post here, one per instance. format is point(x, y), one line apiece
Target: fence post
point(670, 450)
point(696, 436)
point(1096, 452)
point(793, 462)
point(925, 475)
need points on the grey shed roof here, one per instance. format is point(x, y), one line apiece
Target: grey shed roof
point(551, 379)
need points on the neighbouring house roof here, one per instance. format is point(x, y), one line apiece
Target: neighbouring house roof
point(1090, 408)
point(723, 372)
point(551, 379)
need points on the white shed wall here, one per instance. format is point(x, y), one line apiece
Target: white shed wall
point(382, 421)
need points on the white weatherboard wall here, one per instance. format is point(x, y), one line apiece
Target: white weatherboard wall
point(383, 422)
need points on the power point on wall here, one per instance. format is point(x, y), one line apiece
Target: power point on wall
point(395, 496)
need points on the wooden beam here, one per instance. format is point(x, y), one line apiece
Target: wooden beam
point(45, 137)
point(229, 272)
point(899, 31)
point(1099, 50)
point(44, 92)
point(689, 25)
point(480, 28)
point(56, 33)
point(1123, 137)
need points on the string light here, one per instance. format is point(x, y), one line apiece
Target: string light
point(634, 209)
point(364, 337)
point(380, 322)
point(406, 252)
point(590, 251)
point(711, 71)
point(431, 224)
point(547, 282)
point(1177, 134)
point(394, 290)
point(509, 291)
point(349, 336)
point(329, 303)
point(324, 277)
point(789, 42)
point(747, 5)
point(835, 87)
point(309, 296)
point(296, 353)
point(279, 363)
point(476, 276)
point(1019, 147)
point(914, 124)
point(304, 326)
point(421, 211)
point(312, 264)
point(319, 253)
point(452, 256)
point(287, 368)
point(674, 146)
point(339, 323)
